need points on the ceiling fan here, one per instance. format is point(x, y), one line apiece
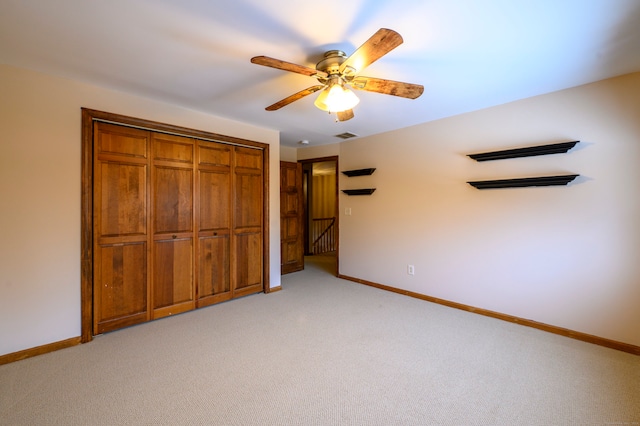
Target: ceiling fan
point(336, 73)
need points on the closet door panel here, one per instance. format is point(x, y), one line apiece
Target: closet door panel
point(111, 139)
point(120, 203)
point(247, 222)
point(214, 154)
point(248, 271)
point(173, 200)
point(214, 225)
point(172, 148)
point(172, 281)
point(248, 201)
point(248, 158)
point(215, 197)
point(121, 197)
point(214, 283)
point(121, 296)
point(172, 276)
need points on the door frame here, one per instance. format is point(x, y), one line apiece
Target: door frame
point(86, 220)
point(337, 211)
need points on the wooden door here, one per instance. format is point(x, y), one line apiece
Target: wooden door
point(291, 218)
point(120, 228)
point(247, 248)
point(214, 223)
point(178, 224)
point(172, 281)
point(169, 223)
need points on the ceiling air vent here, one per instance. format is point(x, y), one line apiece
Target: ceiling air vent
point(346, 135)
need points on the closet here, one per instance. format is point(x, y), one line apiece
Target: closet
point(177, 224)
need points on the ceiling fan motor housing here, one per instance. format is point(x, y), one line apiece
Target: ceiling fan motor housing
point(332, 61)
point(331, 65)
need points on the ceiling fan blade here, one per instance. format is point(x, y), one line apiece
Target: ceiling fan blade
point(287, 66)
point(345, 115)
point(388, 87)
point(301, 94)
point(381, 43)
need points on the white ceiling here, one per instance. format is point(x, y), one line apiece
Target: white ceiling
point(468, 54)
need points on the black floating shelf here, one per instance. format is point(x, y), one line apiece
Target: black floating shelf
point(359, 172)
point(522, 182)
point(366, 191)
point(530, 151)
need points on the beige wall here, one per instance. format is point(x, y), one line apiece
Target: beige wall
point(40, 192)
point(320, 151)
point(288, 154)
point(565, 256)
point(324, 196)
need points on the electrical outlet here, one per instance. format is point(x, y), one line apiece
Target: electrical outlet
point(347, 211)
point(411, 270)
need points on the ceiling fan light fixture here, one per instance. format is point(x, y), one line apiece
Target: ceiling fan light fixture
point(336, 98)
point(337, 75)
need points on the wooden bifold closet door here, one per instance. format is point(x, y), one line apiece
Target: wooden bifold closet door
point(177, 224)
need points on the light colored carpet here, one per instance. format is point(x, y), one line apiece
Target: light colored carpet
point(324, 351)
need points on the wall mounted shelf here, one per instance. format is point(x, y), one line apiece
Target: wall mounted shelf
point(530, 151)
point(359, 172)
point(523, 182)
point(365, 191)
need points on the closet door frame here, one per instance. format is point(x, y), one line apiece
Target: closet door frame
point(86, 234)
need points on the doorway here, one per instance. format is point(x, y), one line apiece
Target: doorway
point(320, 197)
